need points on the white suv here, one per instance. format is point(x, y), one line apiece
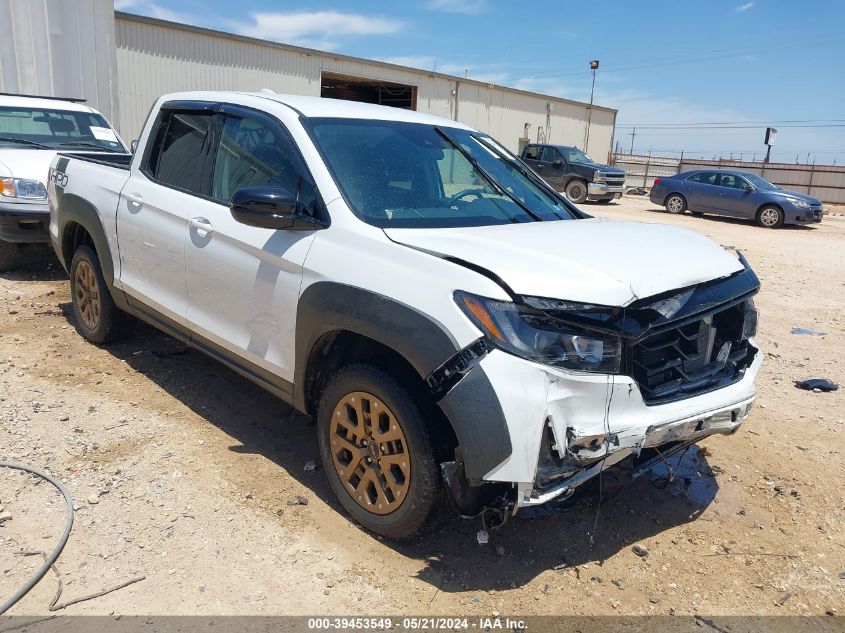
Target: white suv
point(32, 130)
point(455, 325)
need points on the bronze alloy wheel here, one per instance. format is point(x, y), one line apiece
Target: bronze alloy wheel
point(370, 453)
point(87, 292)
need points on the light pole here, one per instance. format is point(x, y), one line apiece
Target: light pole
point(594, 65)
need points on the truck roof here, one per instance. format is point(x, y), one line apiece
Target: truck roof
point(316, 107)
point(46, 103)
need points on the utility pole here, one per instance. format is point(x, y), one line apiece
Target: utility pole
point(594, 65)
point(632, 135)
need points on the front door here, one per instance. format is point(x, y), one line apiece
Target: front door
point(554, 167)
point(734, 196)
point(153, 212)
point(244, 281)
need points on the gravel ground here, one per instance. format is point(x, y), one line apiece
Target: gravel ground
point(186, 474)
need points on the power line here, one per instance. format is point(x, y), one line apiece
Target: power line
point(783, 121)
point(731, 127)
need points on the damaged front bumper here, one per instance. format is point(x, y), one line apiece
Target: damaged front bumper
point(566, 427)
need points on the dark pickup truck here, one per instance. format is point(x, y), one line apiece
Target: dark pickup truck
point(571, 171)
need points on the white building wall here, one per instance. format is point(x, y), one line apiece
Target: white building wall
point(60, 48)
point(156, 57)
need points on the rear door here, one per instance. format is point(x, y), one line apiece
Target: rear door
point(701, 191)
point(243, 281)
point(735, 196)
point(154, 205)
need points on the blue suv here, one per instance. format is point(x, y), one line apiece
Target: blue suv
point(737, 194)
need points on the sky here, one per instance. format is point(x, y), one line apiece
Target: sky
point(671, 67)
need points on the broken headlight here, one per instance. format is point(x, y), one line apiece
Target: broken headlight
point(537, 337)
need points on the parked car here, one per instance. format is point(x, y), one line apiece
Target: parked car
point(737, 194)
point(571, 171)
point(452, 323)
point(32, 130)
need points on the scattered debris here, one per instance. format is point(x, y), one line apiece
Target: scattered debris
point(817, 385)
point(500, 550)
point(842, 575)
point(93, 500)
point(55, 607)
point(310, 466)
point(298, 500)
point(640, 551)
point(802, 331)
point(5, 516)
point(483, 537)
point(637, 191)
point(782, 600)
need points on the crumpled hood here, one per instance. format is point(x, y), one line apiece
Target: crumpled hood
point(26, 163)
point(592, 261)
point(784, 193)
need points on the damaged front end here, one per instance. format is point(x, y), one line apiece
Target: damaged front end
point(640, 381)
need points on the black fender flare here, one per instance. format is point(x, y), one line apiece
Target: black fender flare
point(471, 407)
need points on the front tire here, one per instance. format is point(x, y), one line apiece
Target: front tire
point(97, 318)
point(676, 204)
point(576, 191)
point(770, 217)
point(376, 452)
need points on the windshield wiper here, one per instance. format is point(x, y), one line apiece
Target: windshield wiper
point(87, 144)
point(526, 171)
point(23, 141)
point(486, 175)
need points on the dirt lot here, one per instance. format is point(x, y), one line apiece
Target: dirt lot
point(183, 472)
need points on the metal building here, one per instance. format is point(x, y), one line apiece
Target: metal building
point(122, 62)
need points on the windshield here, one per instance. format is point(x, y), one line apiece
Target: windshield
point(55, 129)
point(761, 183)
point(398, 174)
point(575, 155)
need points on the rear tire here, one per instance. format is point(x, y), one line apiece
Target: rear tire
point(376, 452)
point(770, 217)
point(9, 256)
point(97, 318)
point(576, 191)
point(676, 204)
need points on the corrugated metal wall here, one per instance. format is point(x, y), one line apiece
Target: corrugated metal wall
point(60, 48)
point(156, 57)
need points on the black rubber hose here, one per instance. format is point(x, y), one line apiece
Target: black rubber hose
point(20, 593)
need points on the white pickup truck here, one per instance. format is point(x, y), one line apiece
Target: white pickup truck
point(32, 131)
point(454, 325)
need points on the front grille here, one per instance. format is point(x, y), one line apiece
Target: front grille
point(693, 357)
point(615, 181)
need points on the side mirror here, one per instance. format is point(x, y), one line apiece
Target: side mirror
point(558, 162)
point(748, 187)
point(264, 207)
point(133, 146)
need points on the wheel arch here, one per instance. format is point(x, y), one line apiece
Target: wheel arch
point(79, 223)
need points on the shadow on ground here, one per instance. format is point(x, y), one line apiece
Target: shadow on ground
point(709, 217)
point(35, 262)
point(594, 526)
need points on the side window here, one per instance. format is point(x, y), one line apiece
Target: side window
point(177, 159)
point(706, 177)
point(254, 153)
point(532, 152)
point(734, 182)
point(550, 155)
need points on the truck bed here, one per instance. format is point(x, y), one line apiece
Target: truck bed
point(110, 159)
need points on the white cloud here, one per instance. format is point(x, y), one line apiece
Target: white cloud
point(317, 29)
point(744, 7)
point(469, 7)
point(163, 13)
point(122, 5)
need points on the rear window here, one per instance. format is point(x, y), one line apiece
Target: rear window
point(707, 177)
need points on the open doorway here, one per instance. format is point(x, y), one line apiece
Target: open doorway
point(351, 88)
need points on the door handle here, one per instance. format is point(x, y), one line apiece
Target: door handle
point(134, 198)
point(202, 225)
